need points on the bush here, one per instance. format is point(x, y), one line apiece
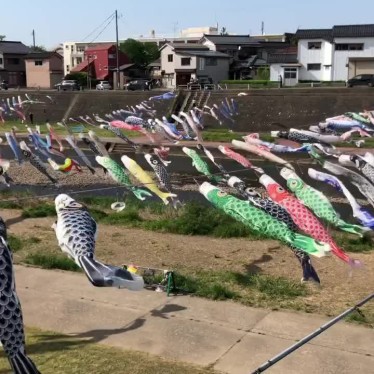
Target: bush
point(250, 81)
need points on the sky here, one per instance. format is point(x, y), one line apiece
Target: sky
point(57, 21)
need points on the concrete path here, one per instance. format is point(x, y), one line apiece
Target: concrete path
point(227, 336)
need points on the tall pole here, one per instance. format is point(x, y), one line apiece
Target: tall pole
point(311, 336)
point(117, 53)
point(33, 38)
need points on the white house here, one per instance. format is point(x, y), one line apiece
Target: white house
point(335, 54)
point(284, 67)
point(182, 61)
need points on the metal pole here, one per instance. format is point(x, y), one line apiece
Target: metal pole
point(33, 38)
point(117, 54)
point(309, 337)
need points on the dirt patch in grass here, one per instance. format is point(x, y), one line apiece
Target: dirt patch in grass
point(267, 274)
point(51, 352)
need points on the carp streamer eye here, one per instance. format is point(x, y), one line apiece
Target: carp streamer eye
point(293, 183)
point(154, 162)
point(280, 189)
point(221, 194)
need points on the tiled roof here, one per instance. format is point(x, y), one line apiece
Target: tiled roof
point(314, 34)
point(353, 31)
point(13, 47)
point(282, 58)
point(343, 31)
point(100, 47)
point(229, 39)
point(205, 54)
point(41, 55)
point(185, 46)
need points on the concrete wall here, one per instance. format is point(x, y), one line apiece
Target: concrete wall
point(261, 110)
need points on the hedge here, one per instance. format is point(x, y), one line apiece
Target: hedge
point(250, 81)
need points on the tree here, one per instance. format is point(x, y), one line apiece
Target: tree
point(38, 48)
point(140, 53)
point(224, 31)
point(2, 37)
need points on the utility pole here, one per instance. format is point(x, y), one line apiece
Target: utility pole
point(33, 38)
point(117, 53)
point(262, 27)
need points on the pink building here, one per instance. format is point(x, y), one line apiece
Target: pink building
point(44, 69)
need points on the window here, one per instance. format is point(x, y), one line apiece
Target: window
point(79, 60)
point(170, 58)
point(111, 55)
point(185, 61)
point(1, 60)
point(202, 63)
point(13, 61)
point(290, 73)
point(314, 66)
point(66, 46)
point(211, 61)
point(67, 67)
point(38, 62)
point(72, 48)
point(314, 45)
point(80, 49)
point(349, 47)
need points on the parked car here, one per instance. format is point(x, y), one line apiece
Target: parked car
point(103, 85)
point(68, 85)
point(4, 85)
point(201, 84)
point(138, 84)
point(361, 80)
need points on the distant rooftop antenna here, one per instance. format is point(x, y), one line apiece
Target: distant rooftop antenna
point(262, 27)
point(175, 28)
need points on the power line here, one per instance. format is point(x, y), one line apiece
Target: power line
point(97, 28)
point(105, 27)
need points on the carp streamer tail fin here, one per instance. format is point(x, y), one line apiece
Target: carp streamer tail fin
point(353, 229)
point(21, 364)
point(102, 275)
point(140, 193)
point(310, 246)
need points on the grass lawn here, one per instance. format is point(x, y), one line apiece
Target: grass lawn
point(61, 354)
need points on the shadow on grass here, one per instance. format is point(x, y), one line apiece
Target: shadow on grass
point(252, 267)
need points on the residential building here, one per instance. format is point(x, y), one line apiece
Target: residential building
point(44, 69)
point(182, 62)
point(190, 35)
point(335, 54)
point(283, 38)
point(284, 68)
point(74, 53)
point(100, 62)
point(12, 63)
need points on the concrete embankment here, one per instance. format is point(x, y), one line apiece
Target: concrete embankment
point(260, 110)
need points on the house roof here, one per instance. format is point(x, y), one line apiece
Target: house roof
point(339, 31)
point(13, 47)
point(282, 58)
point(124, 67)
point(81, 67)
point(353, 31)
point(188, 46)
point(100, 47)
point(229, 39)
point(205, 54)
point(314, 34)
point(42, 55)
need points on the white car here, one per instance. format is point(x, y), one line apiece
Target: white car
point(103, 85)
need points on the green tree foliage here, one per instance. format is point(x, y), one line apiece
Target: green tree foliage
point(2, 37)
point(263, 73)
point(38, 48)
point(140, 53)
